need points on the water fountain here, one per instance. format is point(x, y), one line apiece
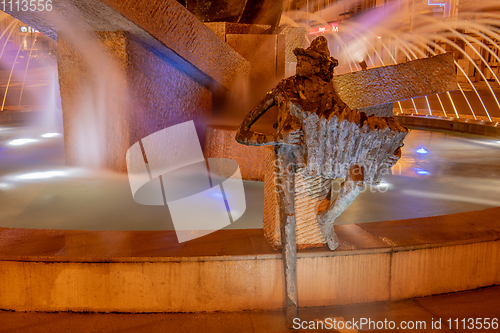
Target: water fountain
point(237, 269)
point(471, 36)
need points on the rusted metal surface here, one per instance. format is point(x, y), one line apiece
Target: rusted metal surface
point(329, 139)
point(377, 88)
point(285, 160)
point(318, 135)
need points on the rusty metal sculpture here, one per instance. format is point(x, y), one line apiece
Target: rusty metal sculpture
point(319, 135)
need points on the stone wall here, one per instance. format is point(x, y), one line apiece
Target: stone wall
point(147, 94)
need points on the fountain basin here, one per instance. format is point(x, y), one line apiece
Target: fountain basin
point(229, 270)
point(234, 270)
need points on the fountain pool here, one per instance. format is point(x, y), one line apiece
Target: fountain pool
point(439, 173)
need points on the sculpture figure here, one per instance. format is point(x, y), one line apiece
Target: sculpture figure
point(317, 134)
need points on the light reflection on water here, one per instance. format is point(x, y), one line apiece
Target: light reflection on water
point(38, 191)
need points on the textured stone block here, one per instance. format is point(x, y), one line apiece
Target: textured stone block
point(280, 56)
point(397, 82)
point(294, 37)
point(261, 51)
point(96, 132)
point(166, 27)
point(168, 62)
point(185, 35)
point(266, 12)
point(221, 29)
point(220, 143)
point(148, 95)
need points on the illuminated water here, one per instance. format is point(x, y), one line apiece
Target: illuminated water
point(457, 174)
point(388, 35)
point(439, 173)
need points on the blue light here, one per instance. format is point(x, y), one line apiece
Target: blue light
point(216, 195)
point(422, 150)
point(421, 171)
point(435, 3)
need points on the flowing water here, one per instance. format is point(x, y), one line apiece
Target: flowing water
point(389, 35)
point(439, 173)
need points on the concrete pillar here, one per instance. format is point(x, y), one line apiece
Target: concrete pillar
point(115, 92)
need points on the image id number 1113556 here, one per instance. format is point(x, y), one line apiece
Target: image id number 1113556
point(26, 5)
point(473, 323)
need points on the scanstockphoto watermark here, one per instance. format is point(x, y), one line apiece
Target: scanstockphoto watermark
point(369, 173)
point(356, 325)
point(202, 195)
point(360, 324)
